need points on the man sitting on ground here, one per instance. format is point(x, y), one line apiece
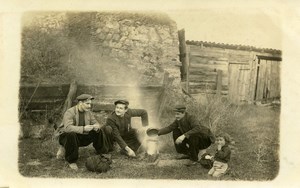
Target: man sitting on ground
point(80, 128)
point(190, 137)
point(120, 122)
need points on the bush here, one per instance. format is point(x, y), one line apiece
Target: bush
point(215, 112)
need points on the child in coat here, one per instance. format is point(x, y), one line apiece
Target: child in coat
point(222, 156)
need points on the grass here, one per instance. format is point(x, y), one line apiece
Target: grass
point(255, 156)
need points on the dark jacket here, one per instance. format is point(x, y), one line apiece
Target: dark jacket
point(122, 125)
point(223, 155)
point(189, 126)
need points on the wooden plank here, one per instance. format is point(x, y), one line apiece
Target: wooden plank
point(261, 80)
point(273, 79)
point(265, 91)
point(269, 78)
point(202, 60)
point(212, 54)
point(271, 58)
point(196, 71)
point(207, 49)
point(208, 91)
point(278, 79)
point(219, 82)
point(44, 104)
point(44, 91)
point(244, 84)
point(236, 77)
point(188, 68)
point(102, 91)
point(210, 67)
point(245, 62)
point(243, 57)
point(238, 52)
point(206, 78)
point(253, 74)
point(259, 94)
point(231, 83)
point(202, 85)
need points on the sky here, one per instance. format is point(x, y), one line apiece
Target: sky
point(246, 27)
point(255, 23)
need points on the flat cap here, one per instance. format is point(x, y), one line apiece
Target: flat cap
point(179, 108)
point(84, 97)
point(123, 101)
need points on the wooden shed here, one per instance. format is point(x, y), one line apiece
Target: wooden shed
point(244, 74)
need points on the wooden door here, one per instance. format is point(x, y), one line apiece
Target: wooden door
point(239, 76)
point(268, 80)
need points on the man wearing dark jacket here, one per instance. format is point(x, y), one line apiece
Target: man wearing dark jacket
point(190, 137)
point(122, 132)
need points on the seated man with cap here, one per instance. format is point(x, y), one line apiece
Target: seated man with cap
point(190, 137)
point(80, 128)
point(120, 122)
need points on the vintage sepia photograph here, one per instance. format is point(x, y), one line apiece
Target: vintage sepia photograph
point(190, 94)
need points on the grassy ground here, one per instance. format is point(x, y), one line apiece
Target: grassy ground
point(255, 155)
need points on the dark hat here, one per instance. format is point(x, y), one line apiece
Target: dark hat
point(84, 97)
point(122, 102)
point(179, 108)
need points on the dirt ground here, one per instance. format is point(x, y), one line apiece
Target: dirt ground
point(255, 155)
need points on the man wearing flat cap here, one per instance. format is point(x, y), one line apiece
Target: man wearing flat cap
point(120, 122)
point(190, 137)
point(80, 128)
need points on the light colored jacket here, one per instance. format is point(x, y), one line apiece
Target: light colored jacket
point(71, 120)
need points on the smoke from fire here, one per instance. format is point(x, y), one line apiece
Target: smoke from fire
point(88, 66)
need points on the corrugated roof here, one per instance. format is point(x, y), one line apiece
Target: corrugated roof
point(233, 46)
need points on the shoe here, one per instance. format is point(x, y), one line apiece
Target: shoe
point(191, 163)
point(61, 152)
point(73, 166)
point(123, 152)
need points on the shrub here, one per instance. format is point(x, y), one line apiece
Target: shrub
point(215, 112)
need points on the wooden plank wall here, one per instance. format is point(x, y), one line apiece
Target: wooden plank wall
point(45, 96)
point(239, 73)
point(206, 62)
point(48, 97)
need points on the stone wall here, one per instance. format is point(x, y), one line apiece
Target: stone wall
point(102, 47)
point(147, 42)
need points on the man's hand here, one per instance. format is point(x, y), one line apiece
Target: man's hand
point(96, 127)
point(88, 128)
point(180, 139)
point(130, 152)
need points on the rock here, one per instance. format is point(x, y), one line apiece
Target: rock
point(153, 36)
point(109, 36)
point(34, 163)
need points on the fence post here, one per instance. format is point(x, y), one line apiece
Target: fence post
point(182, 56)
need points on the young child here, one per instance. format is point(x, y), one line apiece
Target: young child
point(222, 156)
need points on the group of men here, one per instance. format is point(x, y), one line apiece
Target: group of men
point(80, 128)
